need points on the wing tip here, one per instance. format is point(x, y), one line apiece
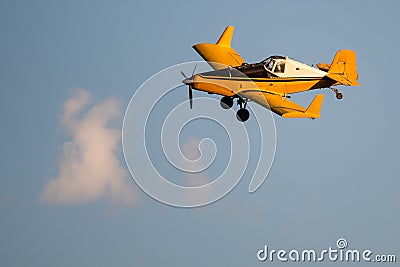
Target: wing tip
point(312, 112)
point(226, 37)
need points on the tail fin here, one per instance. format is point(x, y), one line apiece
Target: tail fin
point(344, 68)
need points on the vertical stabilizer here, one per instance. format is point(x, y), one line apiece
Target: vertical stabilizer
point(344, 68)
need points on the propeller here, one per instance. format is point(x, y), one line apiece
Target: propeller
point(190, 96)
point(189, 82)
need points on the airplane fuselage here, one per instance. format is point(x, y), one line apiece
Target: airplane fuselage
point(251, 77)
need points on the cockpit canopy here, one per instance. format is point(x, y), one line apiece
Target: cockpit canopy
point(275, 64)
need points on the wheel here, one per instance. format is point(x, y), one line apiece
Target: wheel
point(339, 95)
point(226, 102)
point(242, 114)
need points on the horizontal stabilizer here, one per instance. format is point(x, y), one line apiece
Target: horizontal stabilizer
point(324, 66)
point(312, 112)
point(343, 79)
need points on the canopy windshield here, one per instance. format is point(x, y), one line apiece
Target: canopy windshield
point(274, 64)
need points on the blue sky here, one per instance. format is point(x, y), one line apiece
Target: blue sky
point(332, 177)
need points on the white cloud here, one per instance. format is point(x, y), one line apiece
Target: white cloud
point(89, 165)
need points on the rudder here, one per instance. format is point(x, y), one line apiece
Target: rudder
point(344, 68)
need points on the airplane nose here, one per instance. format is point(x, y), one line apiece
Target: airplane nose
point(188, 81)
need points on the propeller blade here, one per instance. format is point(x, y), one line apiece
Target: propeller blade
point(194, 69)
point(190, 86)
point(190, 97)
point(183, 74)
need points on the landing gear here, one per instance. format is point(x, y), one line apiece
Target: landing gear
point(226, 102)
point(339, 95)
point(242, 114)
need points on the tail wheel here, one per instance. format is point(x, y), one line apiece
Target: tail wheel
point(242, 114)
point(226, 102)
point(339, 95)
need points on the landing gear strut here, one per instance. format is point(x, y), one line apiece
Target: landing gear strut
point(339, 95)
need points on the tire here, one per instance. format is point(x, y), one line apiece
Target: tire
point(226, 102)
point(242, 114)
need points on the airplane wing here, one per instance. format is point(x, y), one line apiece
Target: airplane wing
point(221, 54)
point(283, 106)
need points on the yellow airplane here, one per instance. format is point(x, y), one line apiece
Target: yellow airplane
point(269, 82)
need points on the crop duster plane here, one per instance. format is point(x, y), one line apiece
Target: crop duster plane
point(269, 82)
